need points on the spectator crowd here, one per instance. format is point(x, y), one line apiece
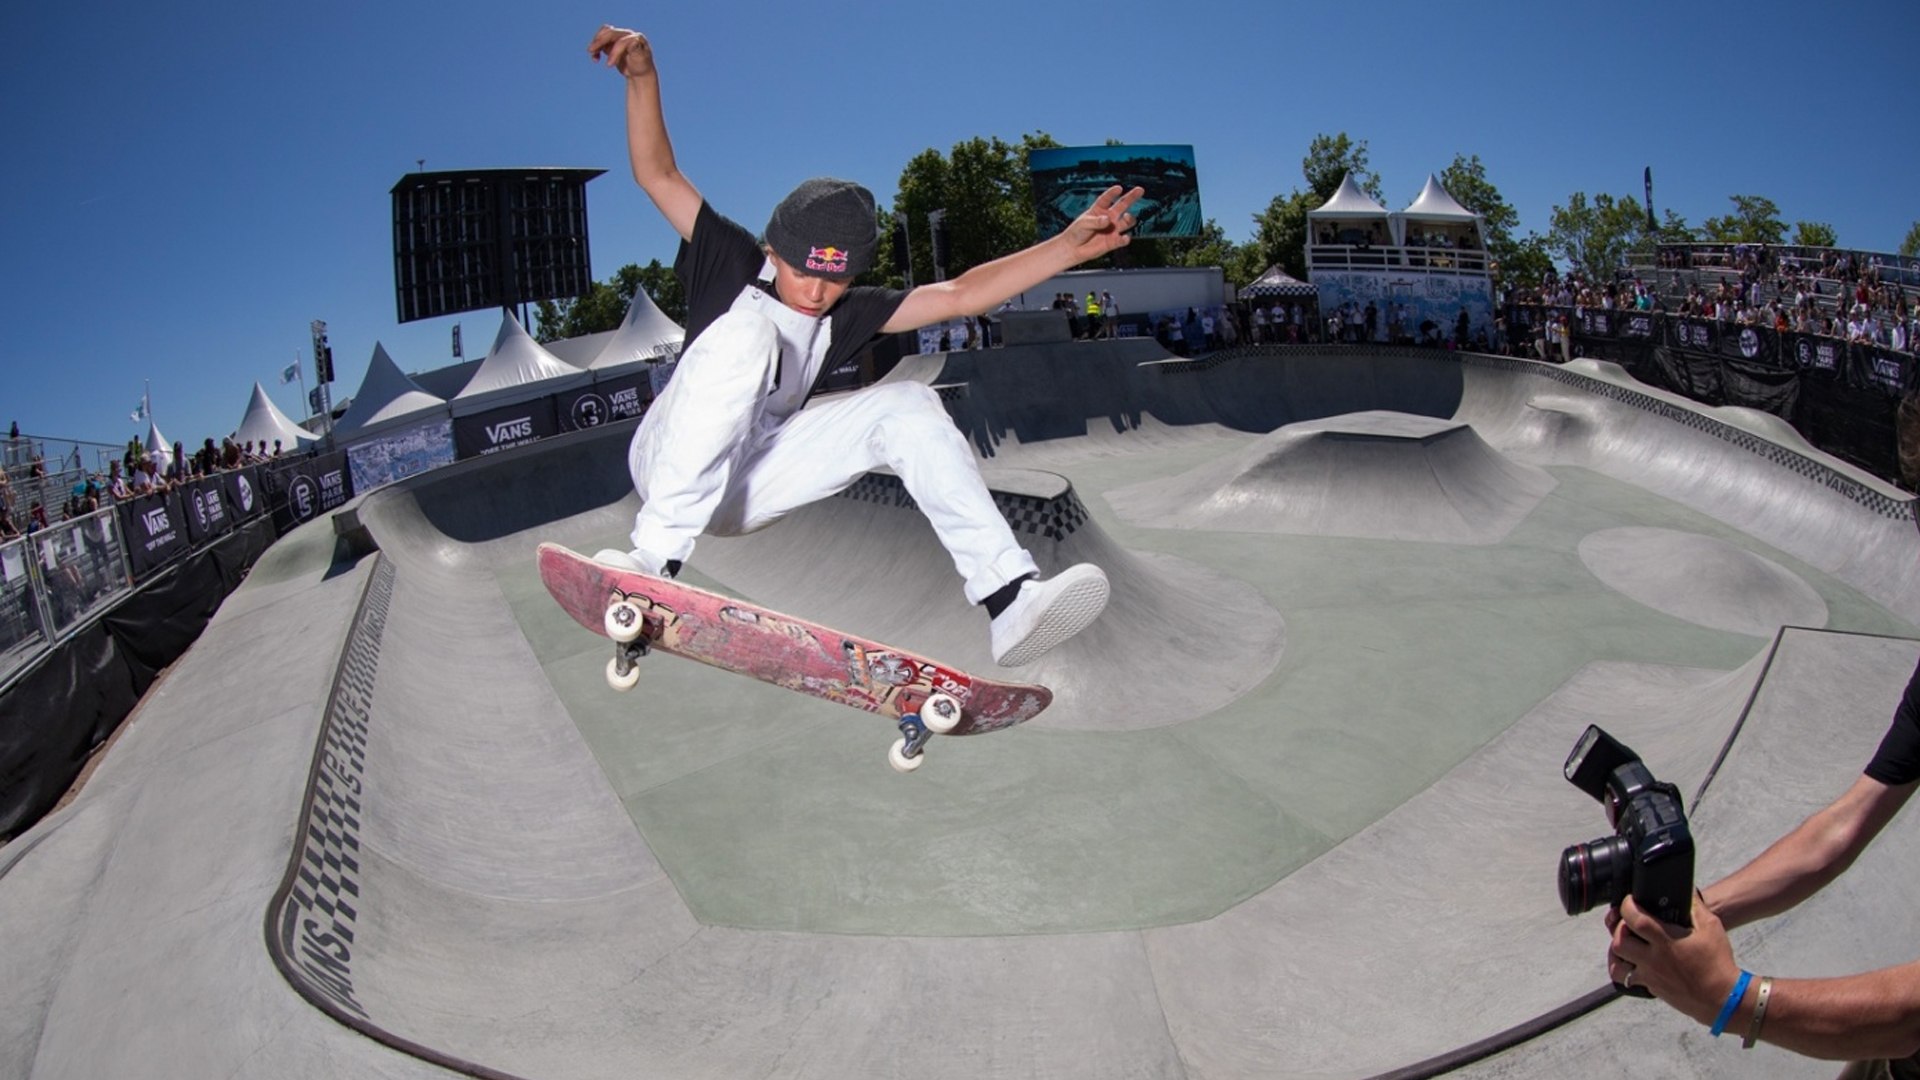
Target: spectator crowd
point(1859, 297)
point(30, 496)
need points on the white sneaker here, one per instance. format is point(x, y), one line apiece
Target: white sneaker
point(638, 562)
point(1047, 613)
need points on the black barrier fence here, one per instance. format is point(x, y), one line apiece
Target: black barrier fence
point(1843, 396)
point(161, 528)
point(301, 489)
point(78, 689)
point(380, 458)
point(505, 428)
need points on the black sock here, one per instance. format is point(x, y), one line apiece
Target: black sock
point(1003, 598)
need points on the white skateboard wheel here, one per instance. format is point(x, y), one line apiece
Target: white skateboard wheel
point(941, 713)
point(620, 682)
point(624, 621)
point(901, 763)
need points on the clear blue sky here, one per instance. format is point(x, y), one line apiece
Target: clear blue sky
point(187, 186)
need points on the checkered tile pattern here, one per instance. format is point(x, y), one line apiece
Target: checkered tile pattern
point(1054, 519)
point(1819, 472)
point(319, 910)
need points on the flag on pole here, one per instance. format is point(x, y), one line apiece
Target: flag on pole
point(139, 411)
point(289, 373)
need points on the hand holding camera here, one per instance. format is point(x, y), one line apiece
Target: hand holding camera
point(1649, 857)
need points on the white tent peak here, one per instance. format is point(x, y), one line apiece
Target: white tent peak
point(1435, 204)
point(515, 360)
point(158, 448)
point(386, 394)
point(645, 334)
point(1351, 201)
point(1277, 282)
point(264, 423)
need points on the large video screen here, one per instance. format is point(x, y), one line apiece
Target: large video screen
point(1067, 179)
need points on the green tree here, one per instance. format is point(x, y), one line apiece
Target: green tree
point(1754, 220)
point(1280, 231)
point(1814, 234)
point(1238, 263)
point(662, 286)
point(1528, 264)
point(605, 303)
point(1330, 158)
point(1466, 180)
point(987, 193)
point(1675, 230)
point(1593, 236)
point(1910, 247)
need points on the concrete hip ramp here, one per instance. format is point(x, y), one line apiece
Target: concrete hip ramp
point(1295, 812)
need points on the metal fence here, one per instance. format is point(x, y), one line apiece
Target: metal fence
point(56, 578)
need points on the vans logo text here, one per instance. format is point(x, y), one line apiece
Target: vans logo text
point(510, 429)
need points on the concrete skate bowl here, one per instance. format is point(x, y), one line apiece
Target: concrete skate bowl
point(1065, 402)
point(1313, 837)
point(1373, 474)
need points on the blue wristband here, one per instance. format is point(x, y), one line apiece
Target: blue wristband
point(1733, 1002)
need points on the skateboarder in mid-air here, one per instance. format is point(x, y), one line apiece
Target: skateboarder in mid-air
point(727, 448)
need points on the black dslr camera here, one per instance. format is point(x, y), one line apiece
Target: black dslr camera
point(1650, 854)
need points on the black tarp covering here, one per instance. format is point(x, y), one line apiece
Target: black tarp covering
point(76, 696)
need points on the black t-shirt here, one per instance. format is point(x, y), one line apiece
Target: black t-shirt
point(1898, 759)
point(723, 258)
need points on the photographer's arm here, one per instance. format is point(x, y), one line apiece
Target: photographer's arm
point(648, 149)
point(1802, 862)
point(1875, 1014)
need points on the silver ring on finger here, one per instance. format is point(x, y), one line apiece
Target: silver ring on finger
point(1627, 983)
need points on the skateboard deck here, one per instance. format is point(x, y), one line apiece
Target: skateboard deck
point(784, 650)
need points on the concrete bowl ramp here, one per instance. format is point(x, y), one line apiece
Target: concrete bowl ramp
point(867, 558)
point(1703, 580)
point(386, 820)
point(1384, 475)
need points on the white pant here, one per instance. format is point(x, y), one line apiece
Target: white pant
point(706, 458)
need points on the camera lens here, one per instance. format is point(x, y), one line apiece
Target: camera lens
point(1594, 873)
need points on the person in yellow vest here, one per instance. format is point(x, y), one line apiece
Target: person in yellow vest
point(1093, 316)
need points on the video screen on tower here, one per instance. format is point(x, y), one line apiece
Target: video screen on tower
point(1067, 179)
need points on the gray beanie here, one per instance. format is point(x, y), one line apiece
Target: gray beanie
point(826, 228)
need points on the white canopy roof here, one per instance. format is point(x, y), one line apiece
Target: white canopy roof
point(1277, 282)
point(515, 360)
point(386, 398)
point(1434, 204)
point(264, 423)
point(645, 334)
point(1349, 202)
point(516, 368)
point(158, 448)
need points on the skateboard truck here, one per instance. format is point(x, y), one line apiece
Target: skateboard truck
point(627, 627)
point(939, 714)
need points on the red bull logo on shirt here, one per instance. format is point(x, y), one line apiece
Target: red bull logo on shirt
point(827, 260)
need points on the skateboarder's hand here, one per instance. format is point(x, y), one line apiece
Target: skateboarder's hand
point(1103, 226)
point(625, 51)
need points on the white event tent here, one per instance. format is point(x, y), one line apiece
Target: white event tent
point(1351, 211)
point(646, 334)
point(158, 448)
point(1436, 207)
point(387, 399)
point(515, 369)
point(264, 424)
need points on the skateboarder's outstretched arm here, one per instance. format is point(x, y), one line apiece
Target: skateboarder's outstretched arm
point(1100, 229)
point(648, 147)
